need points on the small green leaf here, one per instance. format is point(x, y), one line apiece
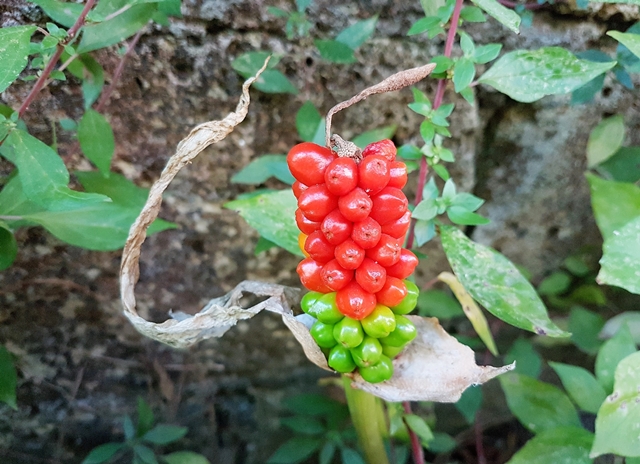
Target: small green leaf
point(466, 44)
point(467, 201)
point(582, 386)
point(103, 453)
point(334, 51)
point(248, 64)
point(470, 402)
point(8, 378)
point(327, 453)
point(528, 361)
point(128, 428)
point(117, 187)
point(97, 140)
point(557, 445)
point(605, 139)
point(375, 135)
point(485, 53)
point(585, 326)
point(272, 215)
point(303, 424)
point(350, 456)
point(8, 247)
point(92, 80)
point(462, 216)
point(64, 13)
point(528, 75)
point(145, 454)
point(617, 420)
point(537, 405)
point(496, 283)
point(503, 15)
point(436, 303)
point(630, 318)
point(68, 124)
point(614, 204)
point(162, 434)
point(273, 81)
point(419, 427)
point(263, 245)
point(427, 209)
point(356, 34)
point(424, 25)
point(145, 417)
point(409, 152)
point(14, 51)
point(117, 29)
point(295, 450)
point(261, 169)
point(472, 14)
point(185, 457)
point(310, 124)
point(424, 231)
point(556, 284)
point(443, 64)
point(611, 353)
point(623, 165)
point(631, 41)
point(588, 91)
point(621, 258)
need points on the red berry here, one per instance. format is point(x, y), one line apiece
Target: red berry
point(335, 276)
point(341, 176)
point(405, 265)
point(366, 233)
point(310, 275)
point(387, 251)
point(388, 205)
point(319, 248)
point(355, 205)
point(308, 161)
point(399, 227)
point(398, 174)
point(336, 228)
point(384, 147)
point(298, 188)
point(306, 225)
point(392, 293)
point(349, 254)
point(371, 276)
point(354, 302)
point(316, 202)
point(373, 174)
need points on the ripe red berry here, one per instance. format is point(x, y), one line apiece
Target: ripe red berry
point(319, 248)
point(398, 174)
point(310, 275)
point(335, 276)
point(384, 148)
point(308, 161)
point(298, 188)
point(306, 225)
point(387, 251)
point(399, 227)
point(373, 174)
point(354, 302)
point(336, 228)
point(341, 176)
point(388, 205)
point(316, 202)
point(392, 293)
point(371, 276)
point(366, 233)
point(349, 254)
point(405, 265)
point(355, 205)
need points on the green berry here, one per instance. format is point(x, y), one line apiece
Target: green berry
point(308, 301)
point(404, 332)
point(340, 359)
point(378, 372)
point(410, 301)
point(348, 332)
point(391, 351)
point(326, 309)
point(323, 334)
point(367, 353)
point(380, 322)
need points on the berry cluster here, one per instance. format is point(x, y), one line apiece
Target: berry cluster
point(353, 217)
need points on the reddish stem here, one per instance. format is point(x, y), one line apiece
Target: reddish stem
point(416, 446)
point(40, 83)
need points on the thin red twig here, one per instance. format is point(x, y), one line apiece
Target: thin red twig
point(416, 446)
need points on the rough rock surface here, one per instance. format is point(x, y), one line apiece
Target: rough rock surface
point(82, 366)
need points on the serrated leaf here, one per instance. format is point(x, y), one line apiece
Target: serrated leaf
point(117, 29)
point(528, 75)
point(496, 283)
point(621, 258)
point(334, 51)
point(538, 406)
point(96, 140)
point(185, 457)
point(617, 420)
point(557, 445)
point(614, 204)
point(375, 135)
point(14, 51)
point(356, 34)
point(528, 361)
point(605, 139)
point(8, 378)
point(611, 353)
point(102, 453)
point(582, 386)
point(272, 215)
point(295, 450)
point(8, 249)
point(309, 122)
point(162, 434)
point(503, 15)
point(262, 168)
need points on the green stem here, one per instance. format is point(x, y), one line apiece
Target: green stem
point(368, 419)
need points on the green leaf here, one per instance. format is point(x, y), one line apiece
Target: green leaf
point(611, 353)
point(614, 204)
point(350, 456)
point(409, 152)
point(587, 92)
point(334, 51)
point(303, 424)
point(486, 53)
point(605, 139)
point(310, 124)
point(585, 326)
point(557, 445)
point(424, 231)
point(427, 209)
point(631, 41)
point(261, 169)
point(117, 29)
point(462, 216)
point(92, 80)
point(128, 428)
point(623, 165)
point(14, 51)
point(96, 140)
point(64, 13)
point(272, 215)
point(263, 245)
point(555, 284)
point(503, 15)
point(582, 386)
point(327, 453)
point(537, 405)
point(621, 258)
point(248, 64)
point(472, 14)
point(273, 81)
point(8, 248)
point(617, 420)
point(13, 201)
point(117, 187)
point(295, 450)
point(419, 427)
point(314, 405)
point(102, 453)
point(425, 25)
point(470, 402)
point(8, 378)
point(185, 457)
point(630, 318)
point(145, 454)
point(145, 417)
point(436, 303)
point(528, 361)
point(528, 75)
point(463, 73)
point(162, 434)
point(496, 283)
point(375, 135)
point(356, 34)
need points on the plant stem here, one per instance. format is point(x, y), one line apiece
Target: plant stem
point(40, 83)
point(368, 419)
point(416, 446)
